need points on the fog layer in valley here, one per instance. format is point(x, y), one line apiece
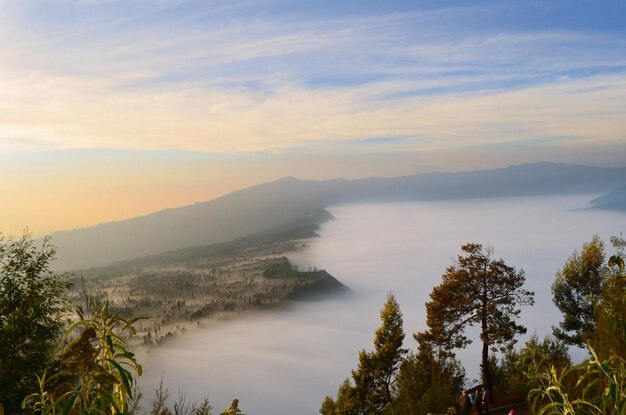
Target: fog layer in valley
point(286, 361)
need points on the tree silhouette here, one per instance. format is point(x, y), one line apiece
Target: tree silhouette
point(477, 289)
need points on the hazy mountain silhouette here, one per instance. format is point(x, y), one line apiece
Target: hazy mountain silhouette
point(263, 207)
point(614, 200)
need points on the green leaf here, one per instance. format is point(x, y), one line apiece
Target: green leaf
point(125, 376)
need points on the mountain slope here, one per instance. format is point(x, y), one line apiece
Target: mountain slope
point(614, 200)
point(263, 207)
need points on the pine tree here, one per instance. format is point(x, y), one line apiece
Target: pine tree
point(427, 382)
point(375, 377)
point(477, 289)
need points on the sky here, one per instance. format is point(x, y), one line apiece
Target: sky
point(111, 109)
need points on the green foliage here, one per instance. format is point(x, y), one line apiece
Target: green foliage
point(509, 372)
point(97, 369)
point(591, 294)
point(609, 337)
point(92, 373)
point(576, 289)
point(600, 388)
point(32, 315)
point(428, 382)
point(597, 386)
point(328, 406)
point(389, 382)
point(375, 377)
point(477, 289)
point(346, 402)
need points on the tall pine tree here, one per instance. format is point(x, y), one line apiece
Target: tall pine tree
point(375, 377)
point(477, 289)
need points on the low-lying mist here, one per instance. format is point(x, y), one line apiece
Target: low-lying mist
point(287, 360)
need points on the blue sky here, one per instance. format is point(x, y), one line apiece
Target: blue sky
point(265, 89)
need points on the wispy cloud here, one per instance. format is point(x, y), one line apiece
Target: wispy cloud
point(259, 76)
point(166, 102)
point(532, 142)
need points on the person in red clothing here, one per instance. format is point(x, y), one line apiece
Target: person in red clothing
point(465, 403)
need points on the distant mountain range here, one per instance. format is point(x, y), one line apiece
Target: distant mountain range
point(260, 208)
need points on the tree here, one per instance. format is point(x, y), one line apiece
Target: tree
point(345, 403)
point(511, 369)
point(32, 315)
point(598, 385)
point(375, 377)
point(477, 289)
point(609, 336)
point(576, 290)
point(591, 294)
point(428, 382)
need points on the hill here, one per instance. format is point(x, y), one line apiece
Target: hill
point(279, 240)
point(614, 200)
point(267, 206)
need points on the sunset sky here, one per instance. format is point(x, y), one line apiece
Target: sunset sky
point(112, 109)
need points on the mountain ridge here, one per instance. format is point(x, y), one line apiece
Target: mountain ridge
point(265, 206)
